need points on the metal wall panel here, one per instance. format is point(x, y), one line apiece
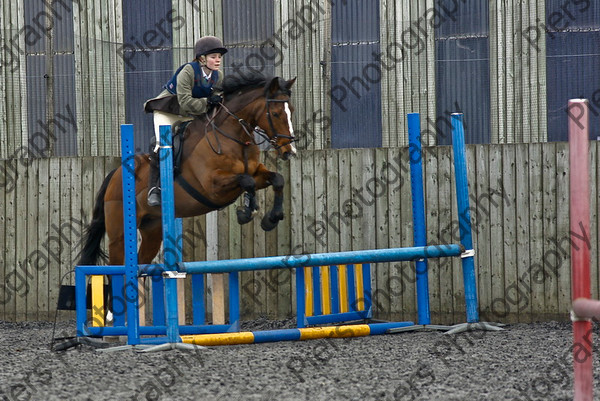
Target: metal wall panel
point(356, 112)
point(574, 14)
point(149, 62)
point(50, 79)
point(462, 73)
point(463, 85)
point(64, 126)
point(34, 11)
point(246, 22)
point(63, 74)
point(36, 84)
point(247, 25)
point(572, 69)
point(63, 27)
point(36, 106)
point(465, 17)
point(355, 79)
point(572, 59)
point(251, 58)
point(355, 21)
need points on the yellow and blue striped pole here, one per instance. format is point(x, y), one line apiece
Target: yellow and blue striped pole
point(311, 333)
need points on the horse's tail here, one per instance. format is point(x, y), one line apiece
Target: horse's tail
point(94, 233)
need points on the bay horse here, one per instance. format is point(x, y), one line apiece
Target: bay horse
point(219, 162)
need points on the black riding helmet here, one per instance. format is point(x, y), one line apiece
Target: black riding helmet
point(209, 44)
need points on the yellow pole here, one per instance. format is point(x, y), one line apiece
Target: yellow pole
point(308, 284)
point(325, 290)
point(343, 286)
point(97, 300)
point(360, 289)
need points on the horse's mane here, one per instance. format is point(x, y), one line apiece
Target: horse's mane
point(247, 79)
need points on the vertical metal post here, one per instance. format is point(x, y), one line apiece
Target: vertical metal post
point(300, 298)
point(198, 307)
point(418, 209)
point(367, 293)
point(234, 301)
point(80, 303)
point(170, 241)
point(118, 285)
point(130, 234)
point(464, 217)
point(178, 234)
point(579, 173)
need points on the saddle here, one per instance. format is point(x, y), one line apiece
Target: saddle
point(178, 130)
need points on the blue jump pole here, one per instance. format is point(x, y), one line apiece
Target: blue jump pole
point(320, 259)
point(464, 217)
point(170, 232)
point(418, 208)
point(130, 234)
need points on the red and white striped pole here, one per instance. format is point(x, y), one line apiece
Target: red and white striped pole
point(583, 308)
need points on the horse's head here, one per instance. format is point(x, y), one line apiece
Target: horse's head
point(268, 111)
point(276, 118)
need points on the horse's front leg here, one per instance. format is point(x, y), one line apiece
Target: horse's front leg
point(264, 178)
point(246, 212)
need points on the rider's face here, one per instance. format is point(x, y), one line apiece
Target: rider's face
point(213, 60)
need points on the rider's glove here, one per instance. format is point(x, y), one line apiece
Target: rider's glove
point(214, 100)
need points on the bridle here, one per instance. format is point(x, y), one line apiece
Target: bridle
point(247, 127)
point(276, 135)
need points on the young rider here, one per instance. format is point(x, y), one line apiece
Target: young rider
point(191, 92)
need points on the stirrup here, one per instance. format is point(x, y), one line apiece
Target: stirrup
point(154, 196)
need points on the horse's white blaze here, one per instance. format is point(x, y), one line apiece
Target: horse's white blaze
point(291, 128)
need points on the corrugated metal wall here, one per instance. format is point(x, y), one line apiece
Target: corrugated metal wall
point(462, 72)
point(37, 82)
point(62, 78)
point(148, 55)
point(247, 25)
point(91, 49)
point(355, 78)
point(573, 54)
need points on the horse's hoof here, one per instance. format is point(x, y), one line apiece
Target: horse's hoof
point(244, 215)
point(268, 224)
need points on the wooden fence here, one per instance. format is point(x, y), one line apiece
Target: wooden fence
point(336, 200)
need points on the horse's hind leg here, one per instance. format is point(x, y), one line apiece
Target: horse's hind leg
point(116, 250)
point(151, 239)
point(151, 234)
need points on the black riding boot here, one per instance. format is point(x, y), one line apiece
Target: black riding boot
point(153, 181)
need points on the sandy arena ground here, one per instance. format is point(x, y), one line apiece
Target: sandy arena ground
point(523, 362)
